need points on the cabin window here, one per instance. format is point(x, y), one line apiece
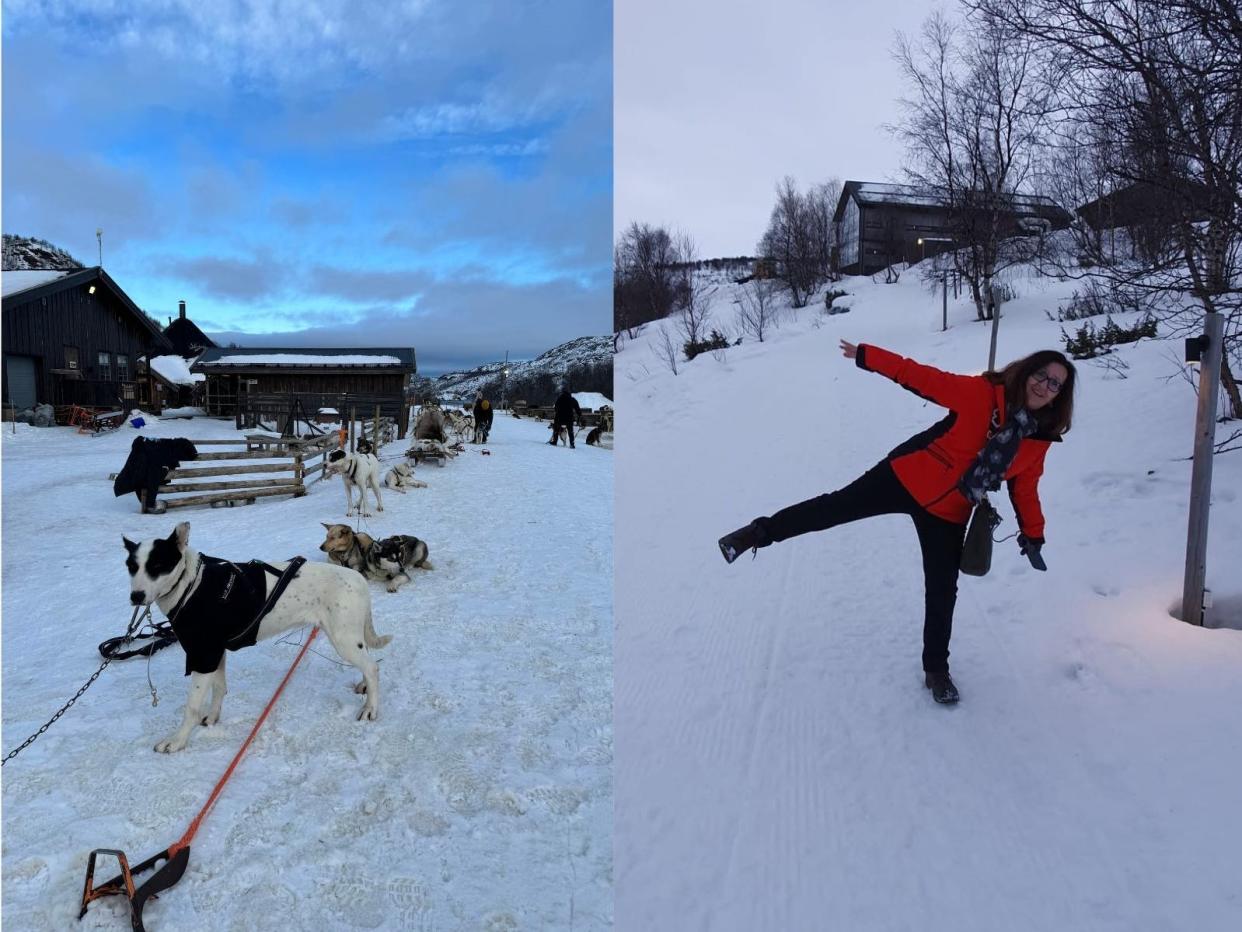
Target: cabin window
point(105, 367)
point(122, 367)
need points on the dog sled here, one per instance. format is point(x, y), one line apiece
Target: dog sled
point(433, 451)
point(95, 421)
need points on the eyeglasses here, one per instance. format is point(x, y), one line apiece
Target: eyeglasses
point(1052, 383)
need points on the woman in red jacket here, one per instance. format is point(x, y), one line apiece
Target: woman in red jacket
point(999, 426)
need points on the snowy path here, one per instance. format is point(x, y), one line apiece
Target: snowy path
point(481, 799)
point(781, 765)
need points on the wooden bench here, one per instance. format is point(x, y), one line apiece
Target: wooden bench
point(245, 475)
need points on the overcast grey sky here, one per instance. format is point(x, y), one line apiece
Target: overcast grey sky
point(715, 102)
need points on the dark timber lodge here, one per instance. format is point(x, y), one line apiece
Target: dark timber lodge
point(269, 380)
point(879, 225)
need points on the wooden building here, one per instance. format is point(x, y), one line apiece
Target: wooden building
point(273, 379)
point(74, 337)
point(878, 225)
point(186, 339)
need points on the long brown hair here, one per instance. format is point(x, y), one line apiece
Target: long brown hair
point(1053, 418)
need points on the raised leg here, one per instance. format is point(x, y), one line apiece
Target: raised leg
point(875, 492)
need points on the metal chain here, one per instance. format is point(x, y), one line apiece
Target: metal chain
point(129, 636)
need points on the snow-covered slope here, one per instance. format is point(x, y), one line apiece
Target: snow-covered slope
point(780, 765)
point(26, 252)
point(554, 363)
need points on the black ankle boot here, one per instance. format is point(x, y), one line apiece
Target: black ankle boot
point(751, 537)
point(942, 688)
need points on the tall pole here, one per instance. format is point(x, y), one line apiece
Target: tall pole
point(1201, 472)
point(994, 299)
point(944, 282)
point(99, 237)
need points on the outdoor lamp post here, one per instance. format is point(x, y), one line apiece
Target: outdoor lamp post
point(922, 250)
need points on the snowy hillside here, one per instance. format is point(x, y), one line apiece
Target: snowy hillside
point(480, 799)
point(554, 364)
point(781, 764)
point(26, 252)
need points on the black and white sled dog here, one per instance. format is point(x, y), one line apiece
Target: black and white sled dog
point(385, 560)
point(360, 471)
point(401, 477)
point(215, 605)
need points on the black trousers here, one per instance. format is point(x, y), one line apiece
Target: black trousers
point(879, 492)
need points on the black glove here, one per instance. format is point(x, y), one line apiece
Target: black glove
point(1030, 547)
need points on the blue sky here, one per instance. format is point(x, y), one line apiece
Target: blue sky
point(327, 172)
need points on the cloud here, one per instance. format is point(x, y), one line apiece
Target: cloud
point(64, 197)
point(455, 320)
point(229, 278)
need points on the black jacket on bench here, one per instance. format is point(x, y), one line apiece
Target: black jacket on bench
point(149, 461)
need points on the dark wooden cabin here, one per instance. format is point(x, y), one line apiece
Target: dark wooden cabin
point(879, 225)
point(74, 337)
point(273, 378)
point(186, 339)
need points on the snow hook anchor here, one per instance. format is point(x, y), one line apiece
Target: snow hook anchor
point(123, 883)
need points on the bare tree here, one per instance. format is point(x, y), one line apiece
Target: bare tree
point(667, 350)
point(972, 126)
point(648, 275)
point(790, 241)
point(822, 202)
point(759, 308)
point(696, 310)
point(1169, 77)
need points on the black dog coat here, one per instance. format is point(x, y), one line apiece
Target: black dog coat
point(225, 610)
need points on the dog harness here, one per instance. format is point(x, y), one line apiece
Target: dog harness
point(224, 609)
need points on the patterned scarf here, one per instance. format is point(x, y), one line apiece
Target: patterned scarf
point(989, 467)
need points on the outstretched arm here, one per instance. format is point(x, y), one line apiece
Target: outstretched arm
point(946, 389)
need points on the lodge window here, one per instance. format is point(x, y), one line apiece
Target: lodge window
point(122, 367)
point(105, 367)
point(71, 357)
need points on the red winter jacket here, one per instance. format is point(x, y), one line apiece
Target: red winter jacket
point(930, 464)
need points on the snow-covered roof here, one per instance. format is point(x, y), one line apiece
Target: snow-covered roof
point(303, 359)
point(31, 278)
point(176, 370)
point(592, 400)
point(874, 192)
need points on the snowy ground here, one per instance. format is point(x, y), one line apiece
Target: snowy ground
point(780, 765)
point(481, 799)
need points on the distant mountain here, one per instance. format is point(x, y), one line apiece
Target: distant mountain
point(585, 364)
point(26, 252)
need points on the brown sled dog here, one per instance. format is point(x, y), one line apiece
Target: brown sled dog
point(385, 560)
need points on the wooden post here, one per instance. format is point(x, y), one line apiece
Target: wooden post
point(994, 299)
point(1201, 472)
point(375, 436)
point(353, 416)
point(298, 473)
point(944, 281)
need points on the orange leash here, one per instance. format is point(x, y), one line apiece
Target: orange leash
point(177, 855)
point(184, 840)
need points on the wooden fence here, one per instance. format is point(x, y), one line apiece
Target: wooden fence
point(271, 411)
point(265, 466)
